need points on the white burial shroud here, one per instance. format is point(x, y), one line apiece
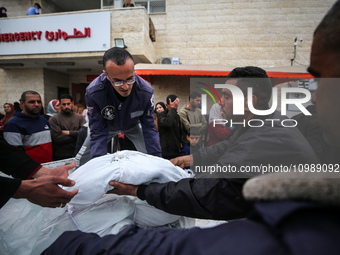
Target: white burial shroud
point(26, 228)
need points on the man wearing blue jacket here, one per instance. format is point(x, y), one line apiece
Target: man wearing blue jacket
point(119, 101)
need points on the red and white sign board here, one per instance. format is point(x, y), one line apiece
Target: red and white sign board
point(56, 34)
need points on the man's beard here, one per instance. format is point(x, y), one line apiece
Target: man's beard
point(35, 111)
point(67, 111)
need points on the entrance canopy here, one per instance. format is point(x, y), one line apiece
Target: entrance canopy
point(287, 72)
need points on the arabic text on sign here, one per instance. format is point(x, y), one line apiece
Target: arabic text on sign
point(50, 36)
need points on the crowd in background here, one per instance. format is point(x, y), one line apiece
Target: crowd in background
point(32, 132)
point(178, 136)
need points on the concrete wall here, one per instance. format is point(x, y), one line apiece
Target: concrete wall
point(14, 82)
point(166, 85)
point(238, 32)
point(133, 26)
point(234, 32)
point(53, 80)
point(45, 82)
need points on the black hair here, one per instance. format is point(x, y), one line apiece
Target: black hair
point(38, 5)
point(247, 72)
point(16, 106)
point(3, 11)
point(66, 96)
point(330, 29)
point(162, 104)
point(117, 56)
point(170, 97)
point(256, 78)
point(194, 94)
point(23, 95)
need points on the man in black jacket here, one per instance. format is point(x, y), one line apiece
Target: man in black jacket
point(310, 128)
point(169, 128)
point(43, 190)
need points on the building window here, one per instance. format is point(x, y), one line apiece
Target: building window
point(107, 4)
point(152, 6)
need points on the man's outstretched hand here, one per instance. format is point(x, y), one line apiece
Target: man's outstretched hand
point(123, 189)
point(60, 171)
point(45, 191)
point(182, 161)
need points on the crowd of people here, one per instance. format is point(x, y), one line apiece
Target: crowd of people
point(179, 133)
point(290, 213)
point(44, 137)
